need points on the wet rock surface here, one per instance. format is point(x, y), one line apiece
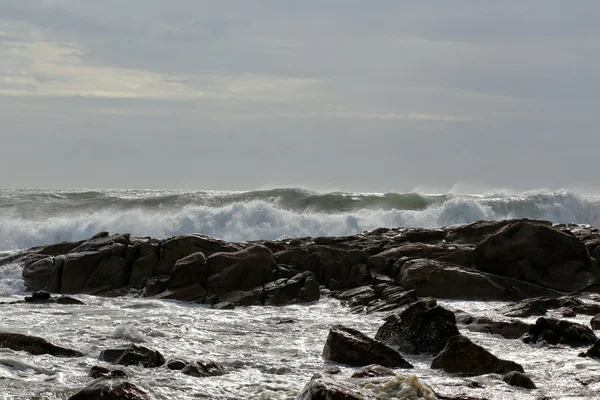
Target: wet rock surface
point(35, 345)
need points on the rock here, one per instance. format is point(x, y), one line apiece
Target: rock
point(475, 231)
point(419, 329)
point(43, 274)
point(45, 298)
point(176, 365)
point(519, 379)
point(325, 388)
point(107, 389)
point(133, 355)
point(40, 296)
point(538, 306)
point(101, 372)
point(450, 281)
point(553, 331)
point(349, 346)
point(374, 370)
point(332, 370)
point(349, 272)
point(111, 272)
point(189, 270)
point(66, 300)
point(512, 329)
point(302, 288)
point(536, 253)
point(461, 356)
point(593, 352)
point(595, 322)
point(241, 270)
point(35, 345)
point(156, 285)
point(200, 369)
point(192, 292)
point(142, 269)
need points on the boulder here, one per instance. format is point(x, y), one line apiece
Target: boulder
point(475, 231)
point(325, 388)
point(461, 356)
point(536, 253)
point(553, 331)
point(519, 379)
point(46, 298)
point(241, 270)
point(450, 281)
point(111, 272)
point(593, 352)
point(200, 369)
point(348, 346)
point(133, 355)
point(176, 365)
point(513, 329)
point(142, 269)
point(43, 274)
point(35, 345)
point(373, 370)
point(101, 372)
point(302, 288)
point(108, 389)
point(595, 322)
point(189, 270)
point(419, 329)
point(192, 292)
point(349, 272)
point(539, 306)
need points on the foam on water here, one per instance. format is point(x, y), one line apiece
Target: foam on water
point(50, 217)
point(11, 280)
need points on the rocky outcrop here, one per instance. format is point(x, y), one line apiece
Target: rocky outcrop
point(593, 352)
point(35, 345)
point(373, 370)
point(461, 356)
point(536, 253)
point(202, 369)
point(519, 379)
point(539, 306)
point(348, 346)
point(450, 281)
point(133, 355)
point(553, 331)
point(108, 389)
point(189, 270)
point(325, 388)
point(419, 329)
point(512, 329)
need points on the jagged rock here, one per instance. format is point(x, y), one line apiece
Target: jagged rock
point(189, 270)
point(462, 356)
point(475, 231)
point(512, 329)
point(519, 379)
point(371, 371)
point(593, 352)
point(200, 369)
point(101, 372)
point(302, 288)
point(43, 274)
point(349, 272)
point(349, 346)
point(133, 355)
point(108, 389)
point(539, 306)
point(419, 329)
point(45, 298)
point(35, 345)
point(295, 256)
point(595, 322)
point(553, 331)
point(241, 270)
point(325, 388)
point(450, 281)
point(536, 253)
point(142, 269)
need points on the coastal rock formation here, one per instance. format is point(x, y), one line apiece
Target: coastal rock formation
point(512, 329)
point(35, 345)
point(419, 329)
point(519, 379)
point(348, 346)
point(373, 370)
point(536, 253)
point(108, 389)
point(539, 306)
point(553, 331)
point(461, 356)
point(133, 355)
point(101, 372)
point(325, 388)
point(202, 369)
point(189, 270)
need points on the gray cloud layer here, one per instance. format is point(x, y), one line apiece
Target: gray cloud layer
point(351, 95)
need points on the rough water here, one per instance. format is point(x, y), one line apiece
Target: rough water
point(31, 217)
point(265, 359)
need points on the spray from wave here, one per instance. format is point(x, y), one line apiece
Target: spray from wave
point(34, 217)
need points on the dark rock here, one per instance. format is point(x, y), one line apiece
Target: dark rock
point(45, 298)
point(35, 345)
point(475, 231)
point(133, 355)
point(43, 274)
point(156, 285)
point(107, 389)
point(553, 331)
point(101, 372)
point(176, 365)
point(512, 329)
point(349, 346)
point(462, 356)
point(324, 388)
point(419, 329)
point(595, 322)
point(191, 292)
point(519, 379)
point(592, 352)
point(66, 300)
point(285, 321)
point(241, 270)
point(536, 253)
point(200, 369)
point(38, 296)
point(189, 270)
point(302, 288)
point(539, 306)
point(371, 371)
point(332, 370)
point(450, 281)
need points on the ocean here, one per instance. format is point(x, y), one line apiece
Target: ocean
point(265, 360)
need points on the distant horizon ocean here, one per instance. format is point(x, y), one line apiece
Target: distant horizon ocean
point(31, 217)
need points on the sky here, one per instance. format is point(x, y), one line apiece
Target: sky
point(371, 96)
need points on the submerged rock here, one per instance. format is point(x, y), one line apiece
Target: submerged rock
point(351, 347)
point(461, 356)
point(519, 379)
point(373, 370)
point(553, 331)
point(101, 372)
point(512, 329)
point(201, 369)
point(419, 329)
point(108, 389)
point(325, 388)
point(133, 355)
point(35, 345)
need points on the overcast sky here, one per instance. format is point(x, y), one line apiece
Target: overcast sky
point(382, 95)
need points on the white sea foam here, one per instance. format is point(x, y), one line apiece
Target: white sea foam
point(11, 280)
